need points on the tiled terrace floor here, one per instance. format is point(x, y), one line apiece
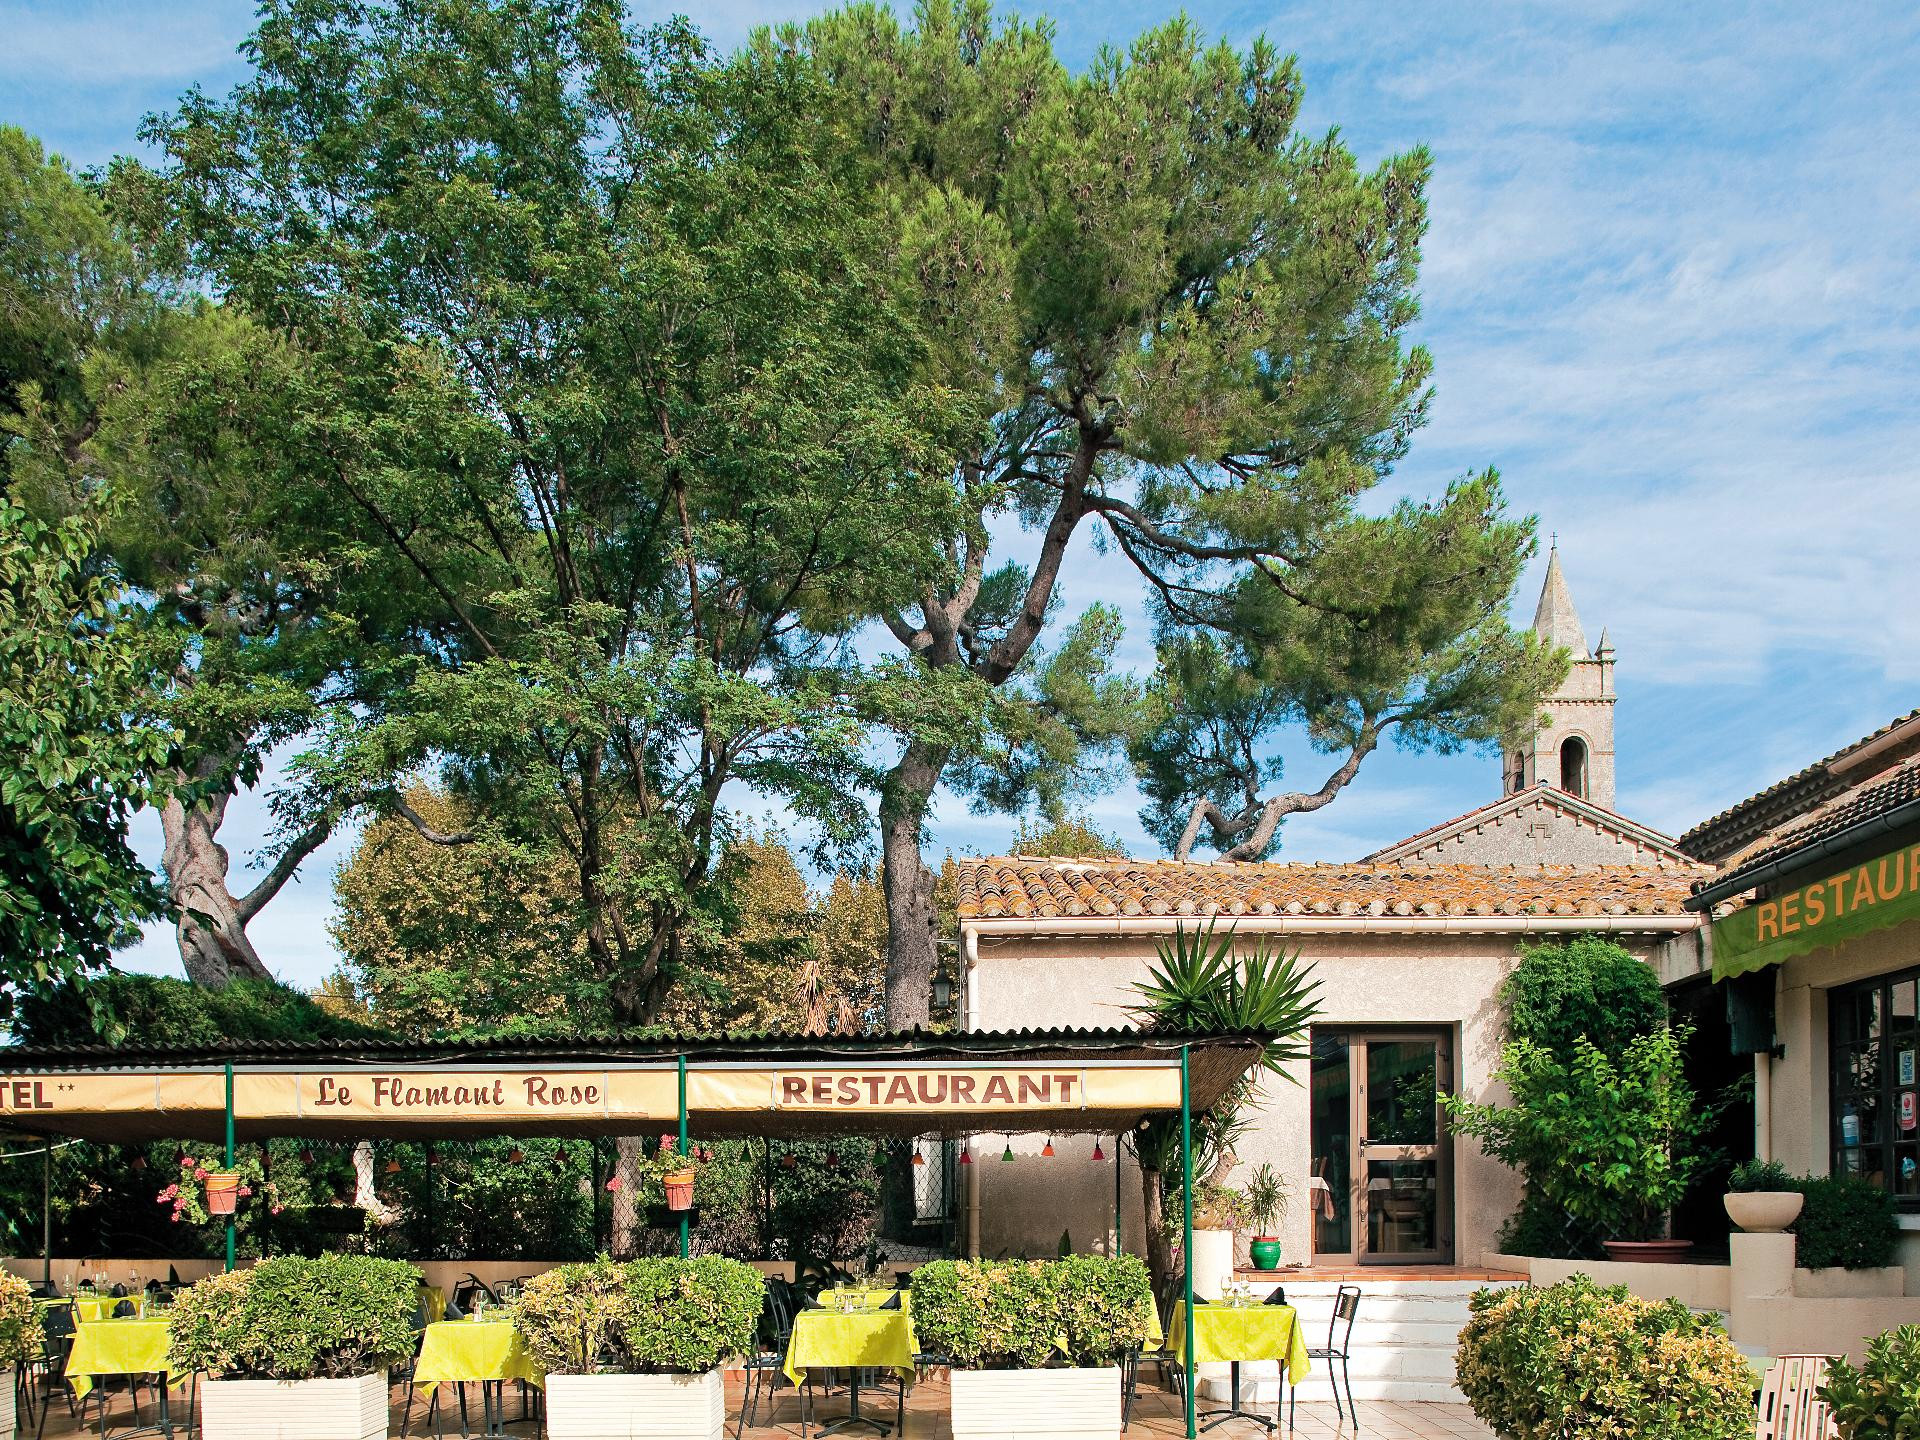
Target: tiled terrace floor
point(1157, 1415)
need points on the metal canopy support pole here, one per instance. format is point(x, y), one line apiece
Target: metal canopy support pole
point(1186, 1232)
point(683, 1148)
point(46, 1215)
point(230, 1160)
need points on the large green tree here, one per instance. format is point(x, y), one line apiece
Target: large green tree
point(1187, 325)
point(628, 391)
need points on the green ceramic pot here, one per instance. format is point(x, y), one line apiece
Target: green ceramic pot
point(1266, 1254)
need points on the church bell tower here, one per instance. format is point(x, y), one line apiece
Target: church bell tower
point(1573, 750)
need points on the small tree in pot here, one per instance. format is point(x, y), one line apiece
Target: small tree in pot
point(635, 1349)
point(1265, 1202)
point(296, 1346)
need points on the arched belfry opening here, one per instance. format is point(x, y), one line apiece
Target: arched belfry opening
point(1573, 766)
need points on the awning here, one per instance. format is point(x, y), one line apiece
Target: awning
point(913, 1083)
point(1828, 911)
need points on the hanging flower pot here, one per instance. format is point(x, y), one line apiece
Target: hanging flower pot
point(223, 1191)
point(679, 1185)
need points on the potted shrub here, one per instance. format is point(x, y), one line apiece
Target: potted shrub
point(635, 1349)
point(1033, 1338)
point(1761, 1198)
point(19, 1338)
point(205, 1190)
point(1879, 1400)
point(1219, 1212)
point(296, 1347)
point(1265, 1201)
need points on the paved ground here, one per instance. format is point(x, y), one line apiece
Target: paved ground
point(1158, 1414)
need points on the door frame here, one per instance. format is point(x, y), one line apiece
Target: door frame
point(1357, 1038)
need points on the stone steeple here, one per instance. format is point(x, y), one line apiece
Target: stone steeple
point(1573, 749)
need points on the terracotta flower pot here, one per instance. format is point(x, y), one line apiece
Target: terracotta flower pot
point(1763, 1212)
point(679, 1185)
point(1649, 1252)
point(223, 1192)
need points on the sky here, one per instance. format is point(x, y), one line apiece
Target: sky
point(1672, 288)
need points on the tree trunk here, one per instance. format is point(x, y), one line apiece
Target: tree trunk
point(211, 932)
point(1159, 1245)
point(909, 885)
point(625, 1225)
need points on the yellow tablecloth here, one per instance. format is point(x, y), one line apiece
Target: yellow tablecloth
point(100, 1307)
point(475, 1350)
point(1224, 1333)
point(433, 1300)
point(828, 1339)
point(118, 1347)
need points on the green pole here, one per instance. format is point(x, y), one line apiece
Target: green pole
point(229, 1160)
point(1186, 1231)
point(683, 1148)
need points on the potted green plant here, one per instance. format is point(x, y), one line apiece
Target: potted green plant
point(1761, 1198)
point(205, 1190)
point(296, 1346)
point(19, 1338)
point(1033, 1338)
point(635, 1349)
point(1265, 1202)
point(1880, 1399)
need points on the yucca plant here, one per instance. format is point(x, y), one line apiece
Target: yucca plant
point(1207, 983)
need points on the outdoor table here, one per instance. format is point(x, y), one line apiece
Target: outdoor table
point(101, 1307)
point(1235, 1333)
point(867, 1338)
point(122, 1347)
point(491, 1352)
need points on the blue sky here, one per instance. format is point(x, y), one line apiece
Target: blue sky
point(1673, 292)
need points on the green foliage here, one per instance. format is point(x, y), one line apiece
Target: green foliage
point(1266, 1199)
point(1758, 1175)
point(290, 1318)
point(1017, 1315)
point(661, 1316)
point(166, 1011)
point(80, 751)
point(1073, 836)
point(1846, 1221)
point(1880, 1400)
point(1588, 987)
point(20, 1335)
point(1613, 1143)
point(1575, 1361)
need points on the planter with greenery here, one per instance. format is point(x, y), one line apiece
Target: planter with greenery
point(295, 1347)
point(1762, 1198)
point(1577, 1360)
point(1265, 1199)
point(1033, 1338)
point(1880, 1400)
point(635, 1349)
point(19, 1338)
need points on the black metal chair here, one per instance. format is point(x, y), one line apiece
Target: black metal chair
point(769, 1355)
point(1346, 1304)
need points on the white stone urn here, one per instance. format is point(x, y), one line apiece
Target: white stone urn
point(1763, 1212)
point(353, 1409)
point(1036, 1404)
point(636, 1407)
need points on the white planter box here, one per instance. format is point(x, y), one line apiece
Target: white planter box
point(1035, 1404)
point(353, 1409)
point(6, 1408)
point(636, 1407)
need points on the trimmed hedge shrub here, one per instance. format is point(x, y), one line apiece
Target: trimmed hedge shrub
point(1084, 1311)
point(1575, 1361)
point(1848, 1222)
point(640, 1317)
point(19, 1320)
point(291, 1318)
point(1881, 1399)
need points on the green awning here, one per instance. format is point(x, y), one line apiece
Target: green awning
point(1829, 911)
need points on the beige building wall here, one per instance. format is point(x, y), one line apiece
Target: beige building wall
point(1377, 978)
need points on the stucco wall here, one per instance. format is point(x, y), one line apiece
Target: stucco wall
point(1535, 834)
point(1367, 979)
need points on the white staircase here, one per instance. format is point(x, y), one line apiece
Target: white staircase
point(1403, 1341)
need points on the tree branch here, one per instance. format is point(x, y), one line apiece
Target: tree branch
point(1258, 822)
point(308, 841)
point(427, 832)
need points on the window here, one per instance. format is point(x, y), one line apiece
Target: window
point(1875, 1036)
point(1573, 767)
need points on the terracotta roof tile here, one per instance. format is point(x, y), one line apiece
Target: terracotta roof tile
point(1021, 887)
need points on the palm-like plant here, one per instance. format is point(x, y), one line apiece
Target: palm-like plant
point(1207, 984)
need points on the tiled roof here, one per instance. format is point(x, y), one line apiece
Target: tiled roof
point(1738, 825)
point(1018, 887)
point(1646, 837)
point(1864, 801)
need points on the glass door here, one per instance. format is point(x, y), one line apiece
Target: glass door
point(1382, 1161)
